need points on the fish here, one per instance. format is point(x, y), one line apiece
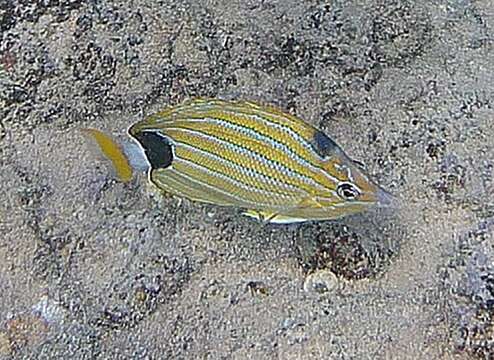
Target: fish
point(272, 165)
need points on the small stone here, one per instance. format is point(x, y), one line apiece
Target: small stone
point(321, 282)
point(257, 288)
point(26, 331)
point(50, 311)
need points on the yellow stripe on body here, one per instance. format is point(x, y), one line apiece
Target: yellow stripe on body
point(241, 163)
point(177, 183)
point(294, 137)
point(244, 196)
point(270, 146)
point(271, 113)
point(244, 114)
point(268, 122)
point(246, 174)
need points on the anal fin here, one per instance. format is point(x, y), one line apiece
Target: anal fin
point(273, 217)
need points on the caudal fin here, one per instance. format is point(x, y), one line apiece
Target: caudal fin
point(112, 151)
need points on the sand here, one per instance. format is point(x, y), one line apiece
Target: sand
point(93, 268)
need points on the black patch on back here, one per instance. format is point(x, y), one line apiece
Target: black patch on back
point(323, 145)
point(157, 148)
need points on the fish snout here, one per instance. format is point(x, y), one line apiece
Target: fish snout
point(385, 199)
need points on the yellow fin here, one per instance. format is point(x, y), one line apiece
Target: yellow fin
point(112, 151)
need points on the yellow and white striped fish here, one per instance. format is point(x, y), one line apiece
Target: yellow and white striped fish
point(273, 165)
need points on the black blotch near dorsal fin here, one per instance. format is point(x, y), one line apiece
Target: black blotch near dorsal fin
point(323, 144)
point(157, 148)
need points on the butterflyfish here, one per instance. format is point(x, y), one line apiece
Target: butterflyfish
point(274, 166)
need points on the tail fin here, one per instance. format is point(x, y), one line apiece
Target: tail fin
point(112, 151)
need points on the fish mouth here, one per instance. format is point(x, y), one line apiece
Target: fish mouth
point(386, 200)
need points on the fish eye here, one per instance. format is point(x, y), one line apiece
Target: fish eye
point(347, 191)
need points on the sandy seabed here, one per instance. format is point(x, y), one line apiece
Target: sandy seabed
point(93, 268)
